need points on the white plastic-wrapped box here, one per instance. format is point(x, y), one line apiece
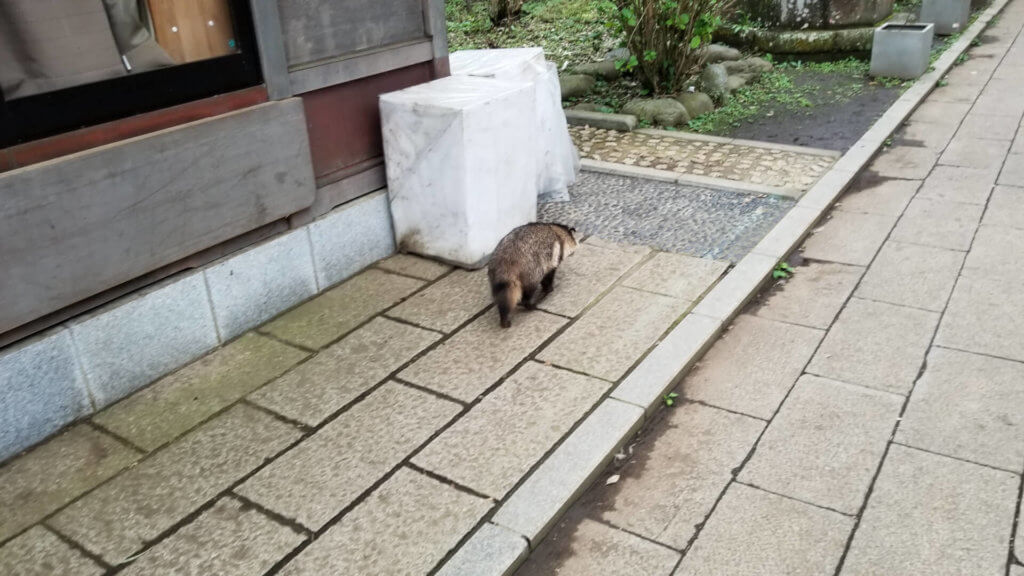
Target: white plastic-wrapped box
point(557, 162)
point(461, 165)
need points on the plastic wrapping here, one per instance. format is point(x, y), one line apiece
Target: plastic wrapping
point(558, 163)
point(461, 165)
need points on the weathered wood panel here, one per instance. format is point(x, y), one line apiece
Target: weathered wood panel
point(73, 227)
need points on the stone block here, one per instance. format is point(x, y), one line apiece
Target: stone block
point(780, 242)
point(41, 390)
point(130, 343)
point(533, 508)
point(958, 184)
point(1012, 173)
point(813, 296)
point(737, 288)
point(912, 275)
point(472, 360)
point(493, 446)
point(986, 127)
point(38, 483)
point(929, 514)
point(676, 275)
point(849, 238)
point(252, 287)
point(938, 223)
point(878, 196)
point(173, 405)
point(351, 238)
point(752, 366)
point(340, 310)
point(490, 551)
point(688, 461)
point(876, 345)
point(587, 273)
point(976, 319)
point(905, 162)
point(316, 479)
point(825, 444)
point(968, 406)
point(118, 518)
point(314, 391)
point(615, 333)
point(977, 153)
point(406, 526)
point(942, 112)
point(901, 50)
point(931, 135)
point(948, 16)
point(776, 536)
point(39, 552)
point(597, 548)
point(411, 265)
point(997, 253)
point(1005, 208)
point(620, 122)
point(229, 539)
point(448, 303)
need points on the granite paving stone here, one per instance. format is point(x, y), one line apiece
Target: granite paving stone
point(753, 532)
point(39, 552)
point(117, 518)
point(825, 444)
point(938, 223)
point(1002, 97)
point(1005, 208)
point(490, 551)
point(676, 275)
point(876, 345)
point(448, 303)
point(495, 444)
point(976, 319)
point(975, 153)
point(596, 549)
point(170, 407)
point(229, 539)
point(477, 356)
point(415, 266)
point(968, 406)
point(930, 135)
point(56, 472)
point(406, 526)
point(752, 366)
point(338, 311)
point(848, 238)
point(997, 254)
point(940, 112)
point(812, 296)
point(986, 127)
point(585, 275)
point(1012, 173)
point(339, 374)
point(912, 275)
point(882, 196)
point(932, 515)
point(958, 184)
point(1017, 570)
point(1018, 546)
point(686, 464)
point(905, 162)
point(613, 335)
point(326, 472)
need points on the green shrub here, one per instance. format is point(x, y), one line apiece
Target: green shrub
point(502, 10)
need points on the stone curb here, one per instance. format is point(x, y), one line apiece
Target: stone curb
point(739, 142)
point(538, 503)
point(692, 179)
point(603, 120)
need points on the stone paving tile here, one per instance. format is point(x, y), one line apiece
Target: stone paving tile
point(595, 549)
point(404, 527)
point(228, 539)
point(1018, 545)
point(930, 135)
point(751, 368)
point(876, 345)
point(958, 184)
point(585, 275)
point(938, 223)
point(676, 275)
point(905, 162)
point(449, 303)
point(929, 515)
point(969, 407)
point(848, 238)
point(1012, 173)
point(56, 472)
point(495, 444)
point(490, 551)
point(997, 253)
point(985, 126)
point(480, 354)
point(1005, 208)
point(977, 318)
point(1002, 97)
point(39, 552)
point(912, 275)
point(612, 335)
point(120, 516)
point(336, 312)
point(753, 532)
point(872, 195)
point(825, 444)
point(975, 153)
point(940, 112)
point(415, 266)
point(679, 473)
point(339, 374)
point(812, 296)
point(173, 405)
point(313, 481)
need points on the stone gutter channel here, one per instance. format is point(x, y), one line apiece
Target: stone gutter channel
point(500, 545)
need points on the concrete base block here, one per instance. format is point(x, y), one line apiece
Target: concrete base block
point(901, 50)
point(948, 16)
point(351, 238)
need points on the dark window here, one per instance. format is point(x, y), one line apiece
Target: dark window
point(67, 64)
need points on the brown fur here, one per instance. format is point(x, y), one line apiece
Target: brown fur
point(525, 260)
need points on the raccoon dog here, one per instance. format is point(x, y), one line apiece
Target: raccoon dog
point(525, 259)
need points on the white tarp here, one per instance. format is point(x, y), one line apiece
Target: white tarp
point(558, 162)
point(461, 165)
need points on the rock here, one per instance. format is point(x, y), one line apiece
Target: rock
point(802, 41)
point(716, 53)
point(734, 83)
point(660, 111)
point(617, 54)
point(751, 68)
point(591, 107)
point(605, 69)
point(575, 85)
point(620, 122)
point(696, 103)
point(713, 82)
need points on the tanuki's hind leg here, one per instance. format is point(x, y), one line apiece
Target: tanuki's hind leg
point(528, 293)
point(506, 296)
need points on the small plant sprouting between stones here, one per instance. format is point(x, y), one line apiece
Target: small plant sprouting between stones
point(782, 271)
point(670, 398)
